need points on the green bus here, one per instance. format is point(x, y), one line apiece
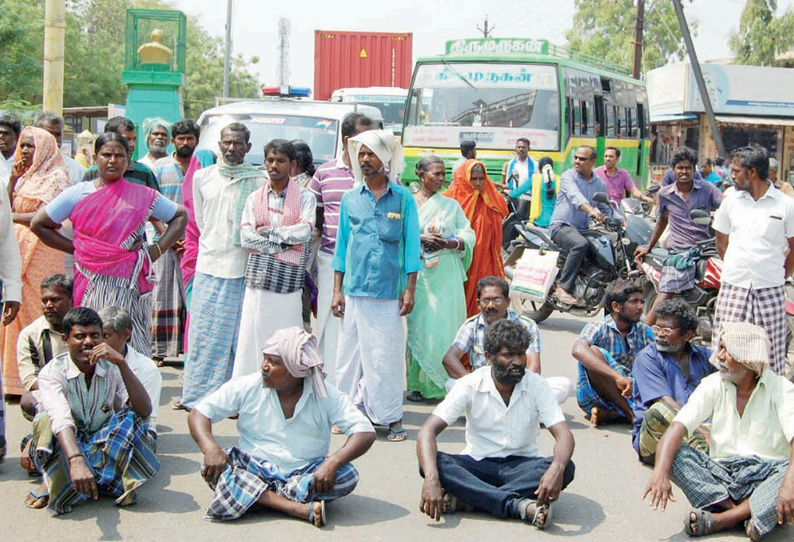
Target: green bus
point(494, 91)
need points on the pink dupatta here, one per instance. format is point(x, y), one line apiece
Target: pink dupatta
point(102, 222)
point(190, 253)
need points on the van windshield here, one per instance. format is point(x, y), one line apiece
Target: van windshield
point(493, 103)
point(319, 133)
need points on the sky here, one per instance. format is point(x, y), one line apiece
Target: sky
point(432, 22)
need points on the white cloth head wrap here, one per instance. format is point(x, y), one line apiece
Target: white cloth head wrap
point(386, 148)
point(746, 343)
point(298, 350)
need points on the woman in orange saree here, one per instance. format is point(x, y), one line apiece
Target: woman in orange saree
point(39, 174)
point(485, 208)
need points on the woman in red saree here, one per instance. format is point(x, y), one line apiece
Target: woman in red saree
point(113, 264)
point(38, 176)
point(485, 208)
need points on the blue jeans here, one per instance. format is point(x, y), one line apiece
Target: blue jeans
point(495, 485)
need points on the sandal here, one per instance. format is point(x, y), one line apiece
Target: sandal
point(317, 517)
point(160, 362)
point(541, 517)
point(397, 435)
point(704, 521)
point(176, 404)
point(415, 396)
point(336, 430)
point(37, 498)
point(751, 531)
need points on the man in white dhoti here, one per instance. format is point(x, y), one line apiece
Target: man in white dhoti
point(375, 264)
point(328, 185)
point(276, 228)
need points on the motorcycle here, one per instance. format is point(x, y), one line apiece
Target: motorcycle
point(610, 257)
point(703, 297)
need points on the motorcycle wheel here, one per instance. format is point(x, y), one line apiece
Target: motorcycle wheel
point(532, 309)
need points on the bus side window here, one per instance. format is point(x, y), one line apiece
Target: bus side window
point(577, 117)
point(599, 116)
point(569, 115)
point(611, 130)
point(641, 121)
point(623, 128)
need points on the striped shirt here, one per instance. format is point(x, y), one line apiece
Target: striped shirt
point(69, 402)
point(472, 333)
point(263, 271)
point(329, 184)
point(169, 176)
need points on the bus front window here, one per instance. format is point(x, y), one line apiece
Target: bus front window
point(491, 103)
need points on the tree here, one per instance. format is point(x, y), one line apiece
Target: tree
point(94, 56)
point(761, 35)
point(604, 29)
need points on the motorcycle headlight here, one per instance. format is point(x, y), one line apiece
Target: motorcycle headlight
point(626, 241)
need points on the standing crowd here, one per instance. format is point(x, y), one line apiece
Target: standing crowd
point(208, 256)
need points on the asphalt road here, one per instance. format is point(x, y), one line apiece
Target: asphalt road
point(602, 504)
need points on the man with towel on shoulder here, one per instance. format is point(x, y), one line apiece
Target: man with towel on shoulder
point(375, 264)
point(285, 417)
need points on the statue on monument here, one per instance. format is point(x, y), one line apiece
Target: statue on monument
point(155, 52)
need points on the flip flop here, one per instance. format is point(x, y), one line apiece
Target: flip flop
point(37, 499)
point(397, 435)
point(704, 522)
point(335, 430)
point(176, 404)
point(535, 521)
point(415, 396)
point(318, 521)
point(751, 531)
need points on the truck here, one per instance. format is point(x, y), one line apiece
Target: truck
point(360, 59)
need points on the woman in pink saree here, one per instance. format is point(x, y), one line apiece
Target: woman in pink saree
point(38, 176)
point(113, 263)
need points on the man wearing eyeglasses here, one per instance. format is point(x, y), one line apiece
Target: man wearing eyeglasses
point(493, 295)
point(574, 207)
point(665, 375)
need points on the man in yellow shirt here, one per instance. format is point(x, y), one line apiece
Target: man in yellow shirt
point(747, 476)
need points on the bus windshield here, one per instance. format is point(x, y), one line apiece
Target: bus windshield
point(488, 102)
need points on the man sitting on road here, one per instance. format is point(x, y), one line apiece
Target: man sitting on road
point(87, 441)
point(500, 470)
point(575, 205)
point(285, 418)
point(676, 201)
point(494, 300)
point(748, 475)
point(43, 339)
point(606, 350)
point(665, 375)
point(117, 331)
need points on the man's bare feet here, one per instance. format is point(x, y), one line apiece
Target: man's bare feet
point(25, 461)
point(317, 513)
point(600, 417)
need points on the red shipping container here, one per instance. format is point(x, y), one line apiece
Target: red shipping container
point(361, 59)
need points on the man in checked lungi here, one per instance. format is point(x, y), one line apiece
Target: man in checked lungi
point(747, 479)
point(91, 437)
point(285, 416)
point(676, 200)
point(755, 237)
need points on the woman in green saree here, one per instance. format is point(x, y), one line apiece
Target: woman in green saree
point(440, 309)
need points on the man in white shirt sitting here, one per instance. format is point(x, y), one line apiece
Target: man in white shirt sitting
point(500, 470)
point(117, 330)
point(285, 418)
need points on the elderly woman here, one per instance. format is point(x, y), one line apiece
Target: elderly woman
point(38, 175)
point(485, 208)
point(447, 245)
point(113, 264)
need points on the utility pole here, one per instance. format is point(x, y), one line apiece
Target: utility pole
point(227, 57)
point(638, 29)
point(54, 37)
point(704, 93)
point(486, 30)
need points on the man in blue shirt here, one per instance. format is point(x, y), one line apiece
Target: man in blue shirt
point(665, 375)
point(574, 207)
point(375, 265)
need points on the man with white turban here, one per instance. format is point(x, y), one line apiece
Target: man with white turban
point(375, 264)
point(157, 134)
point(747, 476)
point(285, 417)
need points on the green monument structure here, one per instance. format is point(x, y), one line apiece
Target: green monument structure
point(154, 67)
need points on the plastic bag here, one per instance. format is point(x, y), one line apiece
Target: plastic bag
point(535, 273)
